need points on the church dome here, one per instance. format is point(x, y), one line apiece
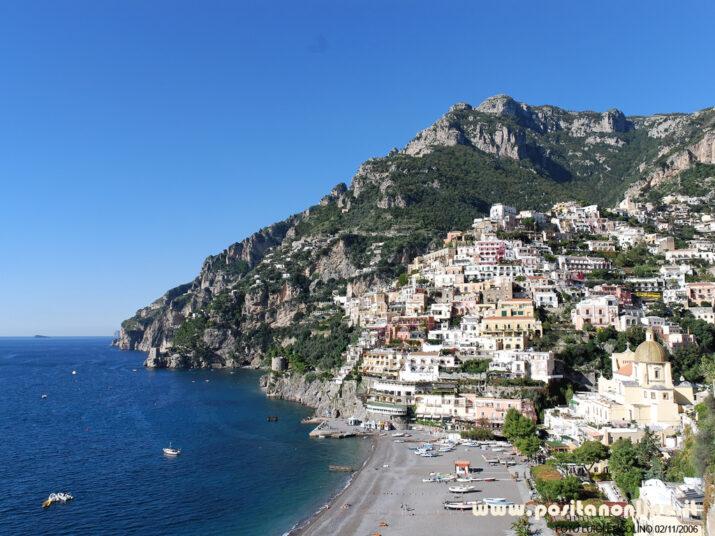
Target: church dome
point(649, 351)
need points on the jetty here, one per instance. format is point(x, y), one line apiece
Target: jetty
point(332, 429)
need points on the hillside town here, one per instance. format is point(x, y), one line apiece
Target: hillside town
point(591, 324)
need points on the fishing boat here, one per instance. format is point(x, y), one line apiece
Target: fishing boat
point(439, 477)
point(460, 505)
point(497, 501)
point(57, 498)
point(487, 479)
point(467, 479)
point(171, 451)
point(462, 489)
point(341, 468)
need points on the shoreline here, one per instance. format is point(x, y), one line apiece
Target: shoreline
point(306, 523)
point(299, 528)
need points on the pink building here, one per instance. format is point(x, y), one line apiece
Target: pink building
point(599, 312)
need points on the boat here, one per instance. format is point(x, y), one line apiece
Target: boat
point(497, 501)
point(341, 468)
point(467, 479)
point(462, 489)
point(439, 477)
point(62, 498)
point(460, 505)
point(487, 479)
point(44, 396)
point(170, 451)
point(272, 418)
point(74, 372)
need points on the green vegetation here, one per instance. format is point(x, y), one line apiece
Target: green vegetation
point(521, 432)
point(475, 366)
point(522, 527)
point(316, 347)
point(588, 453)
point(477, 434)
point(630, 463)
point(564, 489)
point(696, 181)
point(188, 339)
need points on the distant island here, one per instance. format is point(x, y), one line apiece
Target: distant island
point(42, 337)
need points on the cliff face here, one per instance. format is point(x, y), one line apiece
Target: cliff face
point(275, 288)
point(328, 398)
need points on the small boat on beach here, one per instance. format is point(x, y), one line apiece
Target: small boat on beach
point(341, 468)
point(171, 451)
point(497, 501)
point(439, 477)
point(62, 498)
point(462, 489)
point(460, 505)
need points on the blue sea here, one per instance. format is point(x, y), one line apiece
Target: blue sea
point(99, 435)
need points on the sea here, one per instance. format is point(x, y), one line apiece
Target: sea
point(99, 435)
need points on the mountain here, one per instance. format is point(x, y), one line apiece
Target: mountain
point(275, 288)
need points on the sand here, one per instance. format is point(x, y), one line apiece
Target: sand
point(387, 497)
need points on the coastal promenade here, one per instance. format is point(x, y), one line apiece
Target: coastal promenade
point(388, 497)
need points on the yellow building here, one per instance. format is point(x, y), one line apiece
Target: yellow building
point(641, 391)
point(382, 362)
point(513, 324)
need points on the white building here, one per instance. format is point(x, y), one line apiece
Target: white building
point(539, 366)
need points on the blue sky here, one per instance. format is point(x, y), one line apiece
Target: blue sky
point(136, 138)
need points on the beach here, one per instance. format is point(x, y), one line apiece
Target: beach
point(388, 497)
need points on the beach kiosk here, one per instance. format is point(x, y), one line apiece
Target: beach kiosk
point(461, 468)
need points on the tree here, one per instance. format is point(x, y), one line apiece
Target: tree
point(528, 446)
point(564, 489)
point(589, 453)
point(647, 449)
point(568, 394)
point(477, 434)
point(521, 527)
point(516, 426)
point(623, 456)
point(703, 452)
point(656, 470)
point(629, 481)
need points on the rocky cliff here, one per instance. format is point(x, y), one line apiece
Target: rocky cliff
point(328, 398)
point(274, 291)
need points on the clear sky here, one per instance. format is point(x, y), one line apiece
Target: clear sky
point(138, 137)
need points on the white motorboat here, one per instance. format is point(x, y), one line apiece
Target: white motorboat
point(497, 501)
point(439, 477)
point(460, 505)
point(57, 498)
point(171, 451)
point(462, 489)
